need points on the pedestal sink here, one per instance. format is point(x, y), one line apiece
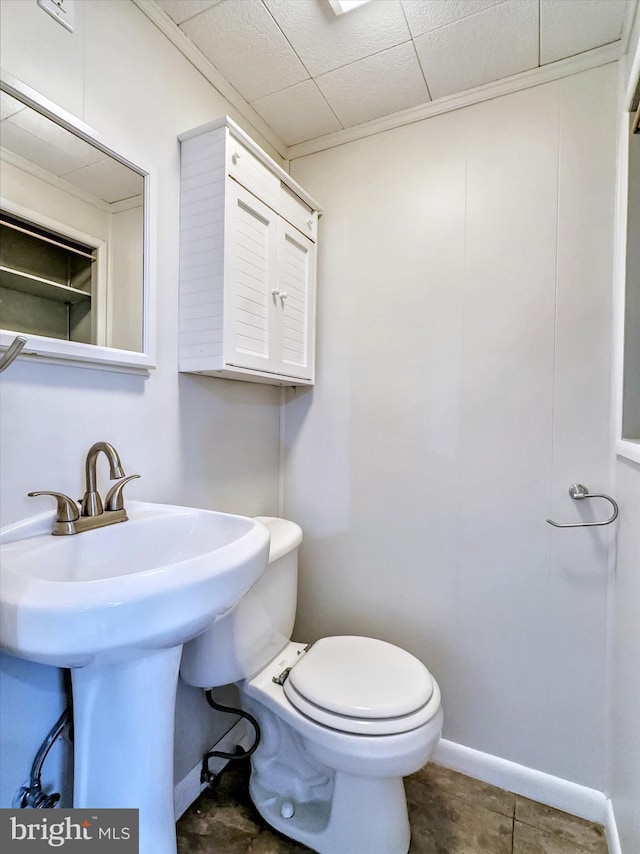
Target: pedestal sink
point(116, 605)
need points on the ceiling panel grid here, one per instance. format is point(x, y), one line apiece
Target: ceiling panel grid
point(308, 72)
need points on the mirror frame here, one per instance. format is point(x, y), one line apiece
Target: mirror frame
point(63, 352)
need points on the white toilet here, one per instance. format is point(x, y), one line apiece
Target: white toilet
point(342, 721)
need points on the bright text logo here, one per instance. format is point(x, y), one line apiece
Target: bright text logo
point(33, 831)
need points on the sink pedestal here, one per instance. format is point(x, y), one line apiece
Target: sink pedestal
point(123, 716)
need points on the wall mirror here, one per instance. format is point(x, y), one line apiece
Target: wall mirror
point(76, 239)
point(627, 275)
point(631, 328)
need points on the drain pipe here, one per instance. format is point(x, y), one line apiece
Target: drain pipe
point(32, 796)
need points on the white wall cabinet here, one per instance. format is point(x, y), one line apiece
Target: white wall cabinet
point(247, 262)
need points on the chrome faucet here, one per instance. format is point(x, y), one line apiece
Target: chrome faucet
point(71, 519)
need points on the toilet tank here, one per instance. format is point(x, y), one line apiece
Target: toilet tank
point(246, 639)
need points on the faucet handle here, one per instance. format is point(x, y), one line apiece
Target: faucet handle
point(113, 499)
point(67, 509)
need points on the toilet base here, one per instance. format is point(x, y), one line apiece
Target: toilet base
point(365, 814)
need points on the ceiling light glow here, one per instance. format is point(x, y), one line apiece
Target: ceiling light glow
point(342, 6)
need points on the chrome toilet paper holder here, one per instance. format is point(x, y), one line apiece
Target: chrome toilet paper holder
point(579, 492)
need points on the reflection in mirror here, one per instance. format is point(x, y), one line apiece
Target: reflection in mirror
point(73, 235)
point(631, 364)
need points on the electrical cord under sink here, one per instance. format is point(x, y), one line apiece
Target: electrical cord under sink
point(208, 776)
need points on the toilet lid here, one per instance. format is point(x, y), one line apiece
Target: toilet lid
point(357, 677)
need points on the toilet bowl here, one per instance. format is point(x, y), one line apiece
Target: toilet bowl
point(342, 720)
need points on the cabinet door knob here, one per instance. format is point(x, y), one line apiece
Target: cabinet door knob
point(310, 223)
point(284, 295)
point(235, 157)
point(275, 292)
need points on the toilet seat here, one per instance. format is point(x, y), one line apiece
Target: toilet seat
point(362, 685)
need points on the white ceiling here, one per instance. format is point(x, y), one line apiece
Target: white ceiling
point(34, 139)
point(308, 72)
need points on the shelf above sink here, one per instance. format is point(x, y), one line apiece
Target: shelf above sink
point(27, 283)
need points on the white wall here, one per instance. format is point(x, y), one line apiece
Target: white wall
point(463, 385)
point(625, 706)
point(126, 305)
point(199, 441)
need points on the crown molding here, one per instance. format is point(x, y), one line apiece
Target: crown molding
point(517, 82)
point(525, 80)
point(172, 31)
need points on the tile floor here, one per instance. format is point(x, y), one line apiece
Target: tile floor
point(449, 814)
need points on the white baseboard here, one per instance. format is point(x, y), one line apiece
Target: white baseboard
point(553, 791)
point(189, 788)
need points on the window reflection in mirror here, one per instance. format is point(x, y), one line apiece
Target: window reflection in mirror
point(72, 235)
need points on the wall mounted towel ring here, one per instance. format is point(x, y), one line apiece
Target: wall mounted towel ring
point(10, 354)
point(578, 492)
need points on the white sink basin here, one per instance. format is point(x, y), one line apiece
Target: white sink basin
point(153, 582)
point(116, 604)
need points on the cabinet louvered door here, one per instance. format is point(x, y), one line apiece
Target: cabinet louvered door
point(296, 298)
point(251, 249)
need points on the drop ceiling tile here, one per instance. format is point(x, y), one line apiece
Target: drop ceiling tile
point(423, 16)
point(112, 170)
point(9, 105)
point(47, 144)
point(182, 10)
point(38, 151)
point(325, 41)
point(57, 137)
point(384, 83)
point(241, 39)
point(298, 113)
point(487, 46)
point(92, 180)
point(574, 26)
